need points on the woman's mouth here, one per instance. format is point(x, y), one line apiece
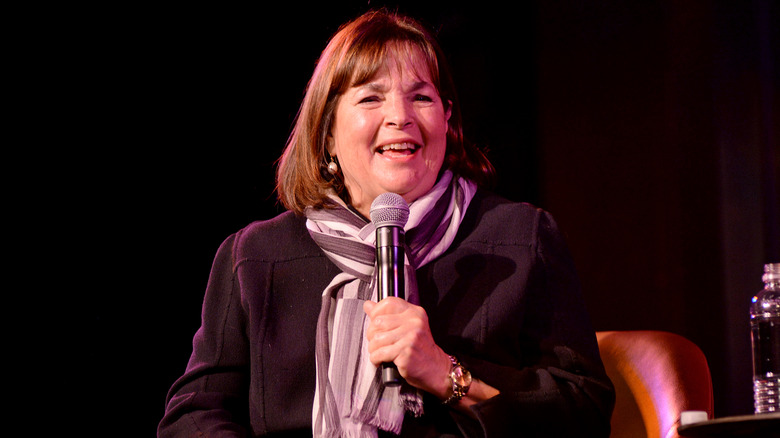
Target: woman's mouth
point(405, 148)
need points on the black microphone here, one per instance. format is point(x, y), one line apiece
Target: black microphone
point(389, 213)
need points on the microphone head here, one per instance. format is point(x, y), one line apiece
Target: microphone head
point(389, 209)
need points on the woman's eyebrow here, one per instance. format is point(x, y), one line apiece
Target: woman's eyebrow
point(380, 87)
point(374, 86)
point(419, 85)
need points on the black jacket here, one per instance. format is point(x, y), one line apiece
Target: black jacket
point(504, 299)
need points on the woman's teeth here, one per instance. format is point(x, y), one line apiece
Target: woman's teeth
point(398, 147)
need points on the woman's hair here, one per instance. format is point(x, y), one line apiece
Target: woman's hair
point(354, 55)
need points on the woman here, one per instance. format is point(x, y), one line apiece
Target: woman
point(492, 339)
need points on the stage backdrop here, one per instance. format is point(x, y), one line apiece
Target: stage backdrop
point(649, 130)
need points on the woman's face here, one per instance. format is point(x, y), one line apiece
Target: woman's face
point(390, 134)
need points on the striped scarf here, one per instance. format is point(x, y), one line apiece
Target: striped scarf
point(350, 399)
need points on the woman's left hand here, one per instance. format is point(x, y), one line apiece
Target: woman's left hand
point(399, 332)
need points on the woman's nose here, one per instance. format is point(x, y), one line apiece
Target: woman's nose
point(399, 113)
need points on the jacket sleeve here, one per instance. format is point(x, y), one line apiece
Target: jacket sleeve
point(560, 388)
point(210, 398)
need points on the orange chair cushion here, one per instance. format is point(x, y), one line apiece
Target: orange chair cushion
point(657, 375)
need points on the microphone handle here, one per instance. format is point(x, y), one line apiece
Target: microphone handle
point(390, 277)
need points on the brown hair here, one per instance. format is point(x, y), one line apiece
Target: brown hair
point(353, 56)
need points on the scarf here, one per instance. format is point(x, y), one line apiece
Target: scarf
point(350, 399)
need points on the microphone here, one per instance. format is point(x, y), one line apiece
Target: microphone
point(389, 213)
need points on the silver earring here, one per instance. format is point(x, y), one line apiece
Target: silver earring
point(333, 168)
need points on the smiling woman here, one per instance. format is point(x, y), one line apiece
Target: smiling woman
point(350, 67)
point(390, 134)
point(492, 340)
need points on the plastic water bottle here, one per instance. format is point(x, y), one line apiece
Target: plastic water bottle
point(765, 337)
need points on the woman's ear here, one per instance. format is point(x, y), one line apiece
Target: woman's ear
point(448, 110)
point(330, 145)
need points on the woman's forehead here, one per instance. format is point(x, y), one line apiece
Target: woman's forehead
point(407, 70)
point(402, 55)
point(403, 59)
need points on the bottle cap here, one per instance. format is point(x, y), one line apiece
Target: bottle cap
point(771, 272)
point(690, 417)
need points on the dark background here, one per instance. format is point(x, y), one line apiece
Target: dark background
point(649, 129)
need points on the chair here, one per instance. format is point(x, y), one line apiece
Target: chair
point(657, 375)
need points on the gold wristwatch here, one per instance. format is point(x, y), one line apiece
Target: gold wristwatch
point(461, 381)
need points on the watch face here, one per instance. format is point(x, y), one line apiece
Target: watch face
point(461, 376)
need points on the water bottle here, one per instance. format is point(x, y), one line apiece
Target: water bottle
point(765, 337)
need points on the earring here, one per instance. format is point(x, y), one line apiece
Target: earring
point(333, 168)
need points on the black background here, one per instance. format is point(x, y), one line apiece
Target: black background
point(649, 130)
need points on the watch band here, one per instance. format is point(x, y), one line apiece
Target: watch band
point(461, 381)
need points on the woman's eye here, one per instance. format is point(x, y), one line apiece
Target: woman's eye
point(369, 99)
point(423, 98)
